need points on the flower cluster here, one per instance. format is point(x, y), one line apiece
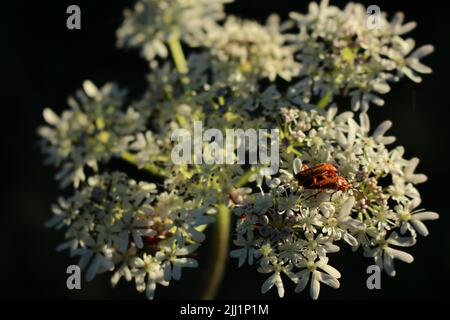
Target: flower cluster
point(116, 224)
point(246, 50)
point(290, 229)
point(344, 53)
point(171, 104)
point(240, 74)
point(95, 128)
point(152, 23)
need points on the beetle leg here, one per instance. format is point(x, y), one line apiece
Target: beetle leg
point(332, 194)
point(314, 195)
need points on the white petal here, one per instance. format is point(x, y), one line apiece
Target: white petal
point(396, 240)
point(420, 227)
point(382, 129)
point(411, 75)
point(346, 208)
point(138, 262)
point(150, 290)
point(92, 270)
point(123, 241)
point(241, 254)
point(186, 263)
point(167, 270)
point(364, 122)
point(314, 290)
point(417, 66)
point(389, 265)
point(268, 284)
point(328, 280)
point(279, 285)
point(196, 235)
point(137, 239)
point(422, 52)
point(331, 271)
point(427, 215)
point(50, 117)
point(90, 88)
point(176, 272)
point(85, 258)
point(407, 28)
point(303, 282)
point(400, 255)
point(297, 165)
point(274, 279)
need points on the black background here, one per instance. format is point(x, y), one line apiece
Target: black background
point(42, 62)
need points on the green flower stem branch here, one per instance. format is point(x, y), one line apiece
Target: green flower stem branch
point(221, 231)
point(219, 252)
point(149, 167)
point(177, 52)
point(221, 240)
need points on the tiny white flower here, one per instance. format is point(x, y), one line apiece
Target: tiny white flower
point(174, 259)
point(248, 251)
point(409, 174)
point(276, 268)
point(148, 272)
point(384, 254)
point(412, 220)
point(319, 272)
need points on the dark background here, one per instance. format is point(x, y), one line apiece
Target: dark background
point(42, 62)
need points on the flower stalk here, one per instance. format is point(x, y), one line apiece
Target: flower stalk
point(149, 167)
point(177, 52)
point(219, 252)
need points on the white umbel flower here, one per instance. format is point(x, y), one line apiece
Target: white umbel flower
point(412, 220)
point(245, 50)
point(318, 272)
point(304, 225)
point(340, 54)
point(151, 23)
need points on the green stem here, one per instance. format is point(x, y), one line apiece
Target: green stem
point(177, 52)
point(219, 254)
point(325, 101)
point(221, 239)
point(149, 167)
